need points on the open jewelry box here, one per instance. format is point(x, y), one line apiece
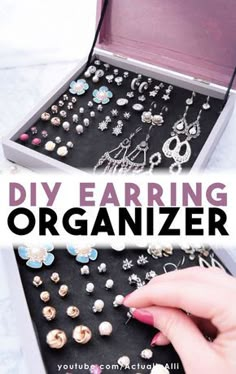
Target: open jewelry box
point(185, 45)
point(126, 339)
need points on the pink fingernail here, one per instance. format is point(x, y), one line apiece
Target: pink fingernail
point(155, 340)
point(143, 316)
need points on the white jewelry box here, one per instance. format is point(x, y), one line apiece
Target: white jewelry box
point(183, 46)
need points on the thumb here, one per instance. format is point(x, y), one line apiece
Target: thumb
point(184, 335)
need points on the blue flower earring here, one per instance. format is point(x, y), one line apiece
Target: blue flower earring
point(79, 87)
point(83, 254)
point(102, 95)
point(37, 256)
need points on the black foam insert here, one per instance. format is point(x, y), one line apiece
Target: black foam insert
point(127, 339)
point(93, 143)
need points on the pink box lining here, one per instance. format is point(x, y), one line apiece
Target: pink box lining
point(197, 38)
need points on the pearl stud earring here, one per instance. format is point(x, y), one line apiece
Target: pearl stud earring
point(109, 284)
point(90, 288)
point(118, 301)
point(105, 328)
point(98, 306)
point(37, 281)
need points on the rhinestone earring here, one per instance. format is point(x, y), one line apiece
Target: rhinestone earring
point(189, 101)
point(166, 96)
point(206, 105)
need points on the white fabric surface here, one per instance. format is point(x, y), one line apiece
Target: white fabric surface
point(46, 34)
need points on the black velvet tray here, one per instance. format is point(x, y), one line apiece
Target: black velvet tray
point(127, 339)
point(93, 143)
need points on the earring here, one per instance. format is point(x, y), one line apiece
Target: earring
point(143, 87)
point(154, 161)
point(45, 296)
point(166, 96)
point(98, 306)
point(142, 260)
point(146, 354)
point(105, 328)
point(154, 92)
point(37, 256)
point(119, 81)
point(110, 78)
point(189, 101)
point(56, 339)
point(78, 87)
point(73, 312)
point(181, 125)
point(82, 334)
point(136, 82)
point(49, 313)
point(90, 71)
point(206, 105)
point(157, 119)
point(115, 158)
point(63, 290)
point(104, 124)
point(109, 284)
point(99, 74)
point(82, 254)
point(117, 130)
point(55, 278)
point(118, 301)
point(37, 281)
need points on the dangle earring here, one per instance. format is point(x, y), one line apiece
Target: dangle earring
point(154, 92)
point(206, 105)
point(139, 153)
point(189, 101)
point(117, 130)
point(158, 119)
point(166, 96)
point(115, 158)
point(154, 161)
point(172, 148)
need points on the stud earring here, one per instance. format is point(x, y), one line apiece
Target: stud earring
point(110, 78)
point(90, 71)
point(158, 119)
point(50, 146)
point(143, 87)
point(98, 306)
point(109, 284)
point(136, 82)
point(73, 312)
point(66, 126)
point(36, 257)
point(127, 264)
point(142, 260)
point(90, 288)
point(127, 115)
point(45, 116)
point(75, 118)
point(102, 268)
point(117, 130)
point(102, 95)
point(78, 87)
point(124, 362)
point(63, 290)
point(37, 281)
point(49, 313)
point(206, 105)
point(79, 129)
point(114, 112)
point(119, 81)
point(118, 301)
point(146, 354)
point(84, 270)
point(63, 114)
point(189, 101)
point(56, 339)
point(54, 109)
point(99, 74)
point(105, 328)
point(82, 334)
point(55, 278)
point(166, 96)
point(62, 151)
point(45, 296)
point(150, 274)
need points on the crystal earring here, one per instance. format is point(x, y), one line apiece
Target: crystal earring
point(154, 161)
point(139, 153)
point(104, 124)
point(166, 96)
point(189, 101)
point(115, 158)
point(154, 92)
point(117, 130)
point(181, 125)
point(206, 105)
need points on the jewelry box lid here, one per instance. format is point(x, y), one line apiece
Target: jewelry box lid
point(196, 38)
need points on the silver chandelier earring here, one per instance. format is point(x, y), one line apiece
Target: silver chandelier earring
point(116, 158)
point(173, 147)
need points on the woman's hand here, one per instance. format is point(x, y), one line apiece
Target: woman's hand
point(209, 295)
